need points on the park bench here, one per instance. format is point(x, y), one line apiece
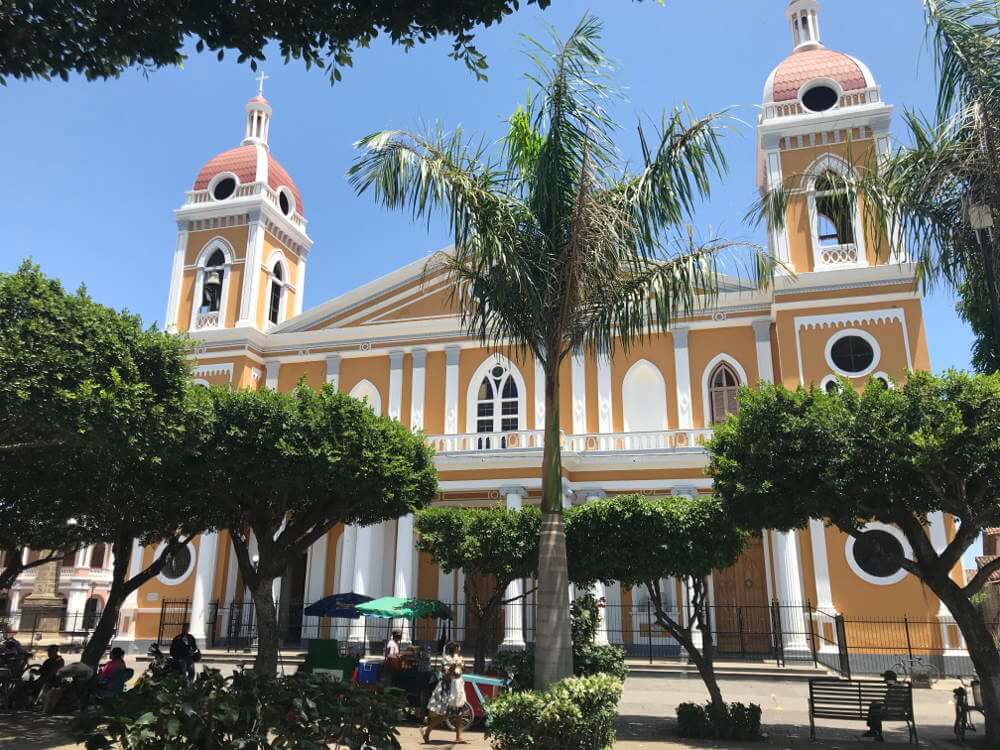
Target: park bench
point(850, 700)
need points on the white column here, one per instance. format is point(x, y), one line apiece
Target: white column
point(778, 238)
point(176, 279)
point(578, 377)
point(539, 395)
point(134, 566)
point(251, 272)
point(370, 546)
point(333, 371)
point(514, 612)
point(762, 337)
point(682, 374)
point(451, 391)
point(459, 634)
point(605, 413)
point(300, 284)
point(346, 566)
point(208, 549)
point(403, 581)
point(395, 384)
point(789, 585)
point(271, 380)
point(613, 595)
point(417, 389)
point(598, 589)
point(316, 570)
point(821, 564)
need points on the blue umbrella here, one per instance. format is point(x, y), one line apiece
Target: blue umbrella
point(338, 605)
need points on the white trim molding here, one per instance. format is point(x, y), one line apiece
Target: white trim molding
point(451, 390)
point(366, 389)
point(207, 371)
point(578, 381)
point(206, 252)
point(187, 574)
point(856, 318)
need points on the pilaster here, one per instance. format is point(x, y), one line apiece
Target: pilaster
point(251, 271)
point(682, 374)
point(762, 338)
point(417, 389)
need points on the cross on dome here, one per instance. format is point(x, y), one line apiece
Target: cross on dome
point(260, 83)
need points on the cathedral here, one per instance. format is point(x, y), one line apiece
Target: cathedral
point(636, 422)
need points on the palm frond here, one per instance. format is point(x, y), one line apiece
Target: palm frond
point(965, 37)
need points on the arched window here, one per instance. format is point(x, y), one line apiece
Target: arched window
point(69, 559)
point(644, 398)
point(723, 388)
point(210, 289)
point(497, 405)
point(92, 613)
point(833, 212)
point(277, 293)
point(837, 241)
point(366, 391)
point(97, 556)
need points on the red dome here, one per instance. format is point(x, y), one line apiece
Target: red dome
point(243, 162)
point(809, 64)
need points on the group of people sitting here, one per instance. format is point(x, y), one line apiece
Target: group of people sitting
point(57, 686)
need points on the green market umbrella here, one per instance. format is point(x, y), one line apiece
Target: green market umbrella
point(401, 608)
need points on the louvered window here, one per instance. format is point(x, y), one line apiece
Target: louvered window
point(724, 386)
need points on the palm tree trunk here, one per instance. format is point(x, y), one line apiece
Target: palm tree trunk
point(553, 637)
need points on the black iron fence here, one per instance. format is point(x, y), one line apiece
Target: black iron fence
point(775, 633)
point(31, 626)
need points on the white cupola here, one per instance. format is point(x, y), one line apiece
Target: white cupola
point(258, 121)
point(803, 16)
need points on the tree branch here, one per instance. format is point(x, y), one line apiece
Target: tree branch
point(982, 577)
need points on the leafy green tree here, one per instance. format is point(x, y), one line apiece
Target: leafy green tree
point(973, 306)
point(97, 422)
point(279, 470)
point(100, 39)
point(889, 455)
point(559, 246)
point(640, 541)
point(497, 544)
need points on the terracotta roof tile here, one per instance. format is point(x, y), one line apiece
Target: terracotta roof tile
point(806, 65)
point(242, 161)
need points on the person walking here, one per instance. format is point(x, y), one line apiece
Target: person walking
point(448, 697)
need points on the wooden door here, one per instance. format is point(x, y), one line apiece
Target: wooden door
point(742, 617)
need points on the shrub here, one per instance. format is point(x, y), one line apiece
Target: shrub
point(578, 713)
point(245, 710)
point(740, 722)
point(591, 660)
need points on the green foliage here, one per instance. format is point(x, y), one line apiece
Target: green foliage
point(288, 467)
point(974, 307)
point(588, 658)
point(88, 38)
point(482, 541)
point(246, 710)
point(890, 455)
point(652, 539)
point(578, 713)
point(737, 722)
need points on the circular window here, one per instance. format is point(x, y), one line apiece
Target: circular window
point(177, 564)
point(878, 553)
point(852, 354)
point(283, 204)
point(820, 98)
point(831, 385)
point(224, 188)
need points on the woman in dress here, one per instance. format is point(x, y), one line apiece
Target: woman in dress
point(448, 697)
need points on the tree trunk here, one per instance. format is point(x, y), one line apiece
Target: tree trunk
point(100, 639)
point(982, 650)
point(266, 661)
point(487, 622)
point(706, 669)
point(553, 637)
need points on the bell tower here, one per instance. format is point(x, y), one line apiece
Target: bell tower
point(240, 257)
point(822, 117)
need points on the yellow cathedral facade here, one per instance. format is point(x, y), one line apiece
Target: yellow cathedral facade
point(634, 423)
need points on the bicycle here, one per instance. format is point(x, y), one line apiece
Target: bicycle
point(963, 711)
point(468, 714)
point(917, 670)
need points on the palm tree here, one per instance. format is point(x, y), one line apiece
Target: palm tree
point(937, 199)
point(558, 247)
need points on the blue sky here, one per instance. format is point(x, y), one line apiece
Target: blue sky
point(92, 170)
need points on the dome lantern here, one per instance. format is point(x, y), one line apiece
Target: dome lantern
point(803, 16)
point(258, 120)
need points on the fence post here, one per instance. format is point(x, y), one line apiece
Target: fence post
point(739, 625)
point(649, 629)
point(845, 656)
point(909, 645)
point(812, 631)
